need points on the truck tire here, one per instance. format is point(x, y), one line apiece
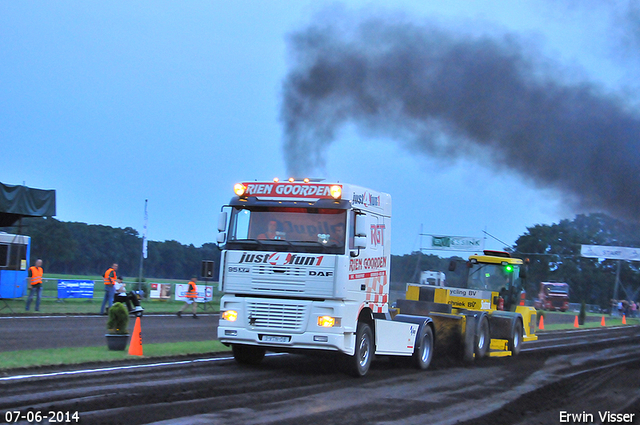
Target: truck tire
point(515, 341)
point(423, 351)
point(358, 364)
point(482, 338)
point(248, 354)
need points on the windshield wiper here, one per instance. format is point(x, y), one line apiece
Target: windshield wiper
point(476, 271)
point(277, 242)
point(312, 243)
point(255, 241)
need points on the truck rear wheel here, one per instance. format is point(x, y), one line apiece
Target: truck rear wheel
point(423, 351)
point(358, 364)
point(515, 341)
point(248, 354)
point(483, 339)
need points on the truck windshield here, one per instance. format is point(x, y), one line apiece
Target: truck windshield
point(492, 277)
point(558, 289)
point(288, 229)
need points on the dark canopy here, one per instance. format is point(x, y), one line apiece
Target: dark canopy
point(23, 201)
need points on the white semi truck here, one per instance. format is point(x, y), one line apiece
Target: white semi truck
point(305, 266)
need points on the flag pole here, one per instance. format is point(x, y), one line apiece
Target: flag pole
point(143, 252)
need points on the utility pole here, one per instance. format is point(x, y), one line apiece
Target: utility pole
point(617, 284)
point(143, 251)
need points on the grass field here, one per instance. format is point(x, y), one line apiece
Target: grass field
point(609, 321)
point(50, 304)
point(69, 356)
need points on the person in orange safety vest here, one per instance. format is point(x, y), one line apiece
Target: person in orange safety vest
point(191, 295)
point(109, 287)
point(35, 284)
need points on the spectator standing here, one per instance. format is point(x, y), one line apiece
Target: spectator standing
point(110, 278)
point(192, 294)
point(35, 284)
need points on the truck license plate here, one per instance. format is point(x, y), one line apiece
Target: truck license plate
point(274, 338)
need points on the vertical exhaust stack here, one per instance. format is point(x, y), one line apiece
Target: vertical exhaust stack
point(449, 95)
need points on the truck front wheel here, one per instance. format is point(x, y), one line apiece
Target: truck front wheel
point(423, 348)
point(248, 354)
point(358, 364)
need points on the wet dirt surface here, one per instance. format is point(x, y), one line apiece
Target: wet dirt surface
point(591, 371)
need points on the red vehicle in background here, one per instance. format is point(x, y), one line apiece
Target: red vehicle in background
point(553, 296)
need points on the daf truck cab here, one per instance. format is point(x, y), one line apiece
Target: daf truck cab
point(305, 266)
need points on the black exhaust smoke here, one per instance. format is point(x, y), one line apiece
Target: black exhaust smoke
point(451, 96)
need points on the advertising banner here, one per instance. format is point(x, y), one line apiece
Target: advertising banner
point(160, 291)
point(610, 252)
point(205, 293)
point(75, 288)
point(456, 243)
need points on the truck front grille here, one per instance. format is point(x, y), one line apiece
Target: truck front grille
point(280, 270)
point(276, 316)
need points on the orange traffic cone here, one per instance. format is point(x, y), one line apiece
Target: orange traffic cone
point(135, 345)
point(575, 323)
point(541, 324)
point(624, 319)
point(602, 322)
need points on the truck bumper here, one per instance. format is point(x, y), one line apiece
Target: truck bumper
point(283, 341)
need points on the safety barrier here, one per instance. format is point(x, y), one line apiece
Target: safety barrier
point(62, 289)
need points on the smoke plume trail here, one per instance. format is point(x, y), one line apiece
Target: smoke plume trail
point(451, 96)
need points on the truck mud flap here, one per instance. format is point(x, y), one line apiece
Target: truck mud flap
point(501, 323)
point(450, 335)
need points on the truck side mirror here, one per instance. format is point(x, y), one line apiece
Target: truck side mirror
point(222, 221)
point(222, 237)
point(360, 242)
point(360, 238)
point(452, 265)
point(361, 225)
point(523, 273)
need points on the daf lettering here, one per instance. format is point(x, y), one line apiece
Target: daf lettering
point(320, 273)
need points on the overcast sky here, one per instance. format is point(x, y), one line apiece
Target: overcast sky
point(112, 103)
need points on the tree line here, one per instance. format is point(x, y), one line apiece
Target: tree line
point(553, 252)
point(554, 255)
point(89, 249)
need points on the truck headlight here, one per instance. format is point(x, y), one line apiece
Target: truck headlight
point(328, 321)
point(230, 315)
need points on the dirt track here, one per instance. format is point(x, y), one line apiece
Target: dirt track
point(574, 371)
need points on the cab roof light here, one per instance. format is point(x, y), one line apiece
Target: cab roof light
point(306, 180)
point(336, 192)
point(291, 179)
point(276, 180)
point(239, 189)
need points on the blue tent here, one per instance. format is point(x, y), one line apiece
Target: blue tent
point(17, 202)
